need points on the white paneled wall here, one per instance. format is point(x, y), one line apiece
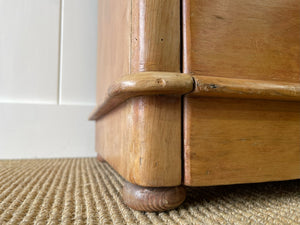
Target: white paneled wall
point(79, 50)
point(29, 50)
point(47, 78)
point(45, 130)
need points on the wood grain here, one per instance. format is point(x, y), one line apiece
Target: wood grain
point(186, 36)
point(155, 35)
point(143, 84)
point(245, 88)
point(153, 199)
point(243, 39)
point(141, 139)
point(228, 141)
point(114, 31)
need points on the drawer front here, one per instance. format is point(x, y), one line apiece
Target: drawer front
point(228, 141)
point(250, 39)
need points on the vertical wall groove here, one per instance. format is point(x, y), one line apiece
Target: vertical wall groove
point(60, 56)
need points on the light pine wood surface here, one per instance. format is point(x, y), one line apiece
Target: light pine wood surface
point(243, 55)
point(141, 138)
point(242, 39)
point(240, 121)
point(114, 32)
point(210, 86)
point(143, 84)
point(155, 36)
point(228, 141)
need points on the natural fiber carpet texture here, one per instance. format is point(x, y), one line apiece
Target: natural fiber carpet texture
point(85, 191)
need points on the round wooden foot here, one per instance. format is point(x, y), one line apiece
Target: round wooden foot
point(153, 199)
point(100, 158)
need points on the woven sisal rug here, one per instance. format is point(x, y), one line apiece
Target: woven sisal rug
point(85, 191)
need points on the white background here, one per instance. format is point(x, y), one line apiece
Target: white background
point(47, 78)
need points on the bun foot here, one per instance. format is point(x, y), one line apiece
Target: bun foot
point(100, 158)
point(153, 199)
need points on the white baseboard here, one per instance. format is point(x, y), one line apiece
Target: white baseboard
point(45, 131)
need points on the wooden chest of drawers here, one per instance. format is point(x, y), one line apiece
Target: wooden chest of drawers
point(197, 93)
